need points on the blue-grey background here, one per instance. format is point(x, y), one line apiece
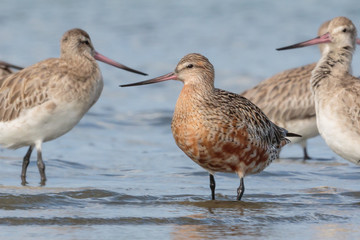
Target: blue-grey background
point(119, 174)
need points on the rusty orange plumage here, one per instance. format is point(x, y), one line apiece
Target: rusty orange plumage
point(219, 130)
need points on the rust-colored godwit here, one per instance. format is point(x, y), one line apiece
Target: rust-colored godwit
point(46, 100)
point(219, 130)
point(6, 69)
point(287, 100)
point(336, 92)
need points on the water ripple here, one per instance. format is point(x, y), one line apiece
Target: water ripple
point(99, 221)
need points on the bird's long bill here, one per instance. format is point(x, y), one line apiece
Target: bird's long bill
point(166, 77)
point(111, 62)
point(6, 64)
point(321, 39)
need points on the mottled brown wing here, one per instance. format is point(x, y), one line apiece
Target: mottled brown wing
point(259, 126)
point(286, 95)
point(24, 90)
point(350, 99)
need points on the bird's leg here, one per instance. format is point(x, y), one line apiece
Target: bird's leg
point(25, 164)
point(306, 156)
point(303, 143)
point(41, 167)
point(212, 186)
point(241, 189)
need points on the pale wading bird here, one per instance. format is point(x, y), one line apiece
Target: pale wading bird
point(336, 92)
point(219, 130)
point(46, 100)
point(287, 100)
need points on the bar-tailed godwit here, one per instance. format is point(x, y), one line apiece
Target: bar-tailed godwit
point(287, 100)
point(46, 100)
point(219, 130)
point(336, 92)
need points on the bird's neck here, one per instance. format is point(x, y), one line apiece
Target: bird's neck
point(197, 91)
point(81, 66)
point(191, 98)
point(335, 63)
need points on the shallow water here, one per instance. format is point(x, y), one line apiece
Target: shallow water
point(119, 174)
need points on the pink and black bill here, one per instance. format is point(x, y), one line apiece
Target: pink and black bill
point(9, 65)
point(111, 62)
point(326, 38)
point(166, 77)
point(318, 40)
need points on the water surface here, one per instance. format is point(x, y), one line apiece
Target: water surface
point(118, 174)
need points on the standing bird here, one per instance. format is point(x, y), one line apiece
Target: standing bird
point(46, 100)
point(287, 100)
point(336, 92)
point(219, 130)
point(5, 69)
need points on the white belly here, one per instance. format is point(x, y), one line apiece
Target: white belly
point(305, 127)
point(334, 129)
point(42, 123)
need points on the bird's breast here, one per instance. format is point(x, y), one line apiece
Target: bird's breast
point(216, 146)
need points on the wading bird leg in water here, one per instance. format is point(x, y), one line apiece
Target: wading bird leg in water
point(41, 167)
point(241, 189)
point(306, 155)
point(25, 164)
point(212, 186)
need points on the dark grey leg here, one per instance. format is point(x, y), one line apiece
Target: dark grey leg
point(212, 186)
point(41, 167)
point(306, 156)
point(241, 189)
point(25, 164)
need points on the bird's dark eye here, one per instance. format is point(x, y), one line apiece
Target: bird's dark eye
point(344, 30)
point(86, 42)
point(190, 66)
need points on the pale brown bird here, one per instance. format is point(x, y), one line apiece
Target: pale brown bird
point(287, 100)
point(46, 100)
point(336, 91)
point(219, 130)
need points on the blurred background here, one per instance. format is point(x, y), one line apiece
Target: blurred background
point(119, 173)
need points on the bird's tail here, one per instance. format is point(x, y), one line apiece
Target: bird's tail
point(287, 141)
point(288, 134)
